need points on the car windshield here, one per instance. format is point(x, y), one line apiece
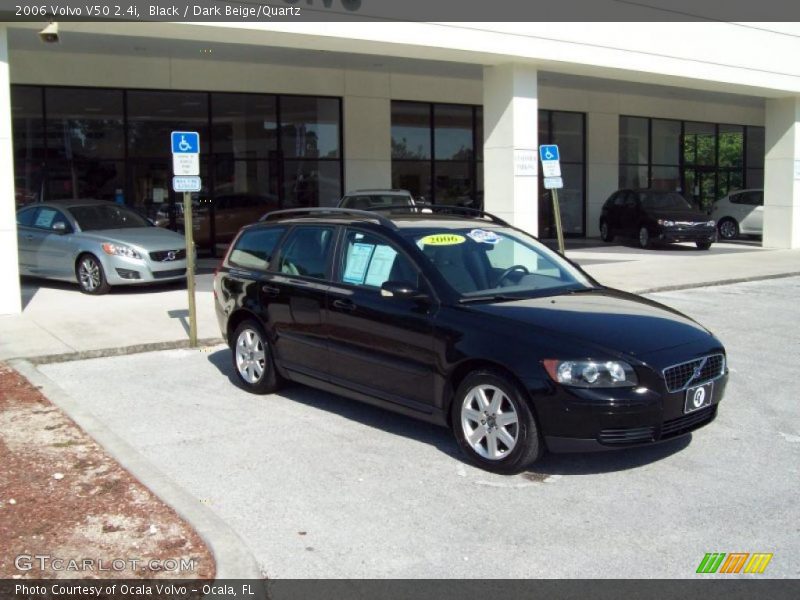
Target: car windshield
point(663, 201)
point(367, 201)
point(93, 217)
point(498, 261)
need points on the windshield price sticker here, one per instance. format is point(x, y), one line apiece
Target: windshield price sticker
point(443, 239)
point(484, 237)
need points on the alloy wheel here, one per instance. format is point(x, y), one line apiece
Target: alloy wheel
point(490, 422)
point(727, 229)
point(644, 237)
point(251, 356)
point(89, 274)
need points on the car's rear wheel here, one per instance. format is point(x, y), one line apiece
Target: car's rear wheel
point(644, 238)
point(90, 275)
point(606, 234)
point(252, 359)
point(728, 229)
point(494, 425)
point(703, 245)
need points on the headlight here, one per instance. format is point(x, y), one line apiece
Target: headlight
point(666, 223)
point(120, 250)
point(711, 223)
point(591, 373)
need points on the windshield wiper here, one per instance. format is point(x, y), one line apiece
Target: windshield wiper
point(490, 298)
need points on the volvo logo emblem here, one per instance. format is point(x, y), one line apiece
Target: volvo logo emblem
point(170, 255)
point(699, 397)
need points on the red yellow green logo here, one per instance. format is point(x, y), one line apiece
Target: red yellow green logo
point(734, 562)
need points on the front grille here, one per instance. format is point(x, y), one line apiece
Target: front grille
point(627, 435)
point(687, 423)
point(679, 377)
point(164, 255)
point(168, 274)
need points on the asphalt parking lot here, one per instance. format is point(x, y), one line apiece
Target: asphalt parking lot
point(319, 486)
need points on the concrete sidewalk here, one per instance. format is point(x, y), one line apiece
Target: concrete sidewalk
point(59, 321)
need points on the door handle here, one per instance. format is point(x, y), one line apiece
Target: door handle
point(347, 305)
point(29, 237)
point(270, 291)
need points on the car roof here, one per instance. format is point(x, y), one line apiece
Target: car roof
point(380, 191)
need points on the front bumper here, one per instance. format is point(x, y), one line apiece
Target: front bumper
point(121, 270)
point(581, 420)
point(687, 234)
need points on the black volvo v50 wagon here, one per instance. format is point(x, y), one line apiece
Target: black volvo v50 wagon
point(457, 318)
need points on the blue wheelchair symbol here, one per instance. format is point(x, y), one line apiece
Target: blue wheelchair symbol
point(185, 142)
point(549, 153)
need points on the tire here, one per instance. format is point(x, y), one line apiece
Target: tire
point(728, 229)
point(644, 238)
point(252, 359)
point(606, 234)
point(703, 245)
point(505, 447)
point(90, 275)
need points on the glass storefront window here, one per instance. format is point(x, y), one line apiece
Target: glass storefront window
point(633, 140)
point(96, 180)
point(454, 184)
point(665, 178)
point(85, 124)
point(567, 130)
point(453, 133)
point(568, 134)
point(699, 146)
point(309, 127)
point(666, 142)
point(244, 125)
point(633, 176)
point(152, 116)
point(731, 146)
point(311, 183)
point(28, 143)
point(411, 130)
point(414, 176)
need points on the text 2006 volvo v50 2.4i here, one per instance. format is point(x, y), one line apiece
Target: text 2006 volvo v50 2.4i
point(457, 318)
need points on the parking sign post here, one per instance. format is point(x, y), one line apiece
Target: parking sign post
point(551, 171)
point(186, 166)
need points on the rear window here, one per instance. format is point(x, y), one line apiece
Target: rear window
point(254, 248)
point(367, 201)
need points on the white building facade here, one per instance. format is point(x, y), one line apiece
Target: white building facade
point(298, 113)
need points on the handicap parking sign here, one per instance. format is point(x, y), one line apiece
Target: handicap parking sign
point(549, 153)
point(185, 142)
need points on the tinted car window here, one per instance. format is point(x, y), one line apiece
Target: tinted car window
point(93, 217)
point(254, 248)
point(663, 201)
point(370, 261)
point(365, 201)
point(305, 251)
point(754, 198)
point(25, 217)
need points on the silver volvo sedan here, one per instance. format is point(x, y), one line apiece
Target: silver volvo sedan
point(97, 244)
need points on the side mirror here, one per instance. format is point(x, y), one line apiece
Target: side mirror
point(59, 227)
point(401, 289)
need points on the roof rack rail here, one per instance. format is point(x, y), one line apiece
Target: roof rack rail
point(322, 211)
point(442, 209)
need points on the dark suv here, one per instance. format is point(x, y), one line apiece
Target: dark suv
point(655, 216)
point(464, 321)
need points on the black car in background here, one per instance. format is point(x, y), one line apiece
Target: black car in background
point(463, 321)
point(655, 216)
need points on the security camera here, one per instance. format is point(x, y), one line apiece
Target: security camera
point(49, 35)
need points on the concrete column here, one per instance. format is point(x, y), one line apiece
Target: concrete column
point(367, 130)
point(511, 138)
point(602, 165)
point(782, 174)
point(10, 301)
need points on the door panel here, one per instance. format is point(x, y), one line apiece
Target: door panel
point(380, 345)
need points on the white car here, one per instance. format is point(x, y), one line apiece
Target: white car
point(739, 213)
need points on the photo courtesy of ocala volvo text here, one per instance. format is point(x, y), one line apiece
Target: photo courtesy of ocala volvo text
point(457, 318)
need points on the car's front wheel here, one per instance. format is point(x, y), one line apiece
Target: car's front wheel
point(494, 425)
point(703, 245)
point(252, 359)
point(728, 229)
point(90, 275)
point(644, 238)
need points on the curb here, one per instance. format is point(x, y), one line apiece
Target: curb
point(106, 352)
point(691, 286)
point(233, 559)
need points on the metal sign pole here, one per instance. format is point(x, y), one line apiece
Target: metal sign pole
point(557, 219)
point(188, 227)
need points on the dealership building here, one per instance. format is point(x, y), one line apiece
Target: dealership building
point(294, 114)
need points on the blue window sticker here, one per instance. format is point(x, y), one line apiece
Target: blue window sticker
point(484, 237)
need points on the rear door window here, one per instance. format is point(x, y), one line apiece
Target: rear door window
point(305, 251)
point(254, 248)
point(25, 217)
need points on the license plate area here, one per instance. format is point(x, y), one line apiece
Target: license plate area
point(698, 397)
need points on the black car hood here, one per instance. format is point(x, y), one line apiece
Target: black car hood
point(617, 321)
point(685, 214)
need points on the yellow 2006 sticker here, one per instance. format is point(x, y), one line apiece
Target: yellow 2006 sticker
point(443, 239)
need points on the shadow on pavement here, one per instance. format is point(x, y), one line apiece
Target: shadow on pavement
point(442, 439)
